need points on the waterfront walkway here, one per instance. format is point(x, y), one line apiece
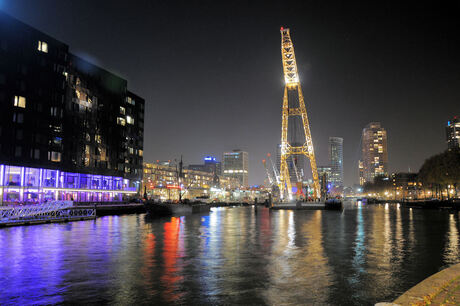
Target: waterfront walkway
point(442, 288)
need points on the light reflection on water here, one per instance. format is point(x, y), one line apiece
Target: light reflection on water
point(239, 255)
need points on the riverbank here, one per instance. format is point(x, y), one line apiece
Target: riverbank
point(442, 288)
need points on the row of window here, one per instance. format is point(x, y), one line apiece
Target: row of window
point(122, 121)
point(35, 154)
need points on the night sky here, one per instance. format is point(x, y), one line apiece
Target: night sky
point(211, 72)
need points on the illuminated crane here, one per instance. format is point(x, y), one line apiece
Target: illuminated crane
point(292, 85)
point(269, 176)
point(275, 172)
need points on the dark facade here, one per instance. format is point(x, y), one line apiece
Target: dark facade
point(62, 112)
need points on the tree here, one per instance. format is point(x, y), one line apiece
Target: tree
point(441, 170)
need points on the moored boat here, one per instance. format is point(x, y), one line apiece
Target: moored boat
point(333, 204)
point(166, 209)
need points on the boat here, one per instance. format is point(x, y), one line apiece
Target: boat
point(333, 204)
point(167, 209)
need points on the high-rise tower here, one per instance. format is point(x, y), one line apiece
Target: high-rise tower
point(293, 106)
point(374, 152)
point(453, 133)
point(336, 160)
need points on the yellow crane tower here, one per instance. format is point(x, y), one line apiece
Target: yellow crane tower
point(292, 86)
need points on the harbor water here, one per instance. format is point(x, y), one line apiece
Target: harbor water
point(359, 256)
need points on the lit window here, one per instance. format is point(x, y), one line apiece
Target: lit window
point(20, 101)
point(121, 121)
point(54, 156)
point(141, 152)
point(122, 110)
point(42, 46)
point(130, 101)
point(130, 119)
point(57, 140)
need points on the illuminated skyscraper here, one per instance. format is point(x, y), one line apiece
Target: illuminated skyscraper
point(374, 152)
point(236, 164)
point(453, 133)
point(336, 160)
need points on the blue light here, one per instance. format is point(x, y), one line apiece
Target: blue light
point(210, 158)
point(448, 123)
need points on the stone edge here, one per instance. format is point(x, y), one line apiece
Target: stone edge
point(426, 290)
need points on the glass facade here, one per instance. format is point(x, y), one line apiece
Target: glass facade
point(24, 185)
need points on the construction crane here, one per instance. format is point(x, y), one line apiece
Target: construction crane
point(269, 176)
point(299, 180)
point(292, 88)
point(275, 171)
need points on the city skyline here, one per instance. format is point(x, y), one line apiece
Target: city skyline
point(405, 86)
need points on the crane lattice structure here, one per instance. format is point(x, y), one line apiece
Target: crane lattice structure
point(292, 84)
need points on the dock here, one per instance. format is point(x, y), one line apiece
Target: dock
point(50, 212)
point(299, 206)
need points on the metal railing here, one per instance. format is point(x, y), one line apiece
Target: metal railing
point(49, 211)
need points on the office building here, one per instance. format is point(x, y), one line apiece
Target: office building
point(236, 164)
point(374, 152)
point(211, 165)
point(453, 133)
point(68, 129)
point(336, 160)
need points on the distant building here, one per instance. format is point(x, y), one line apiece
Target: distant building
point(336, 160)
point(361, 172)
point(161, 181)
point(404, 185)
point(211, 165)
point(69, 130)
point(374, 152)
point(236, 164)
point(453, 133)
point(325, 170)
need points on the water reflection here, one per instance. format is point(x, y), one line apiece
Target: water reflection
point(451, 254)
point(365, 254)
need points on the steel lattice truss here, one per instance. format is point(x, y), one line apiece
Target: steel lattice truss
point(291, 78)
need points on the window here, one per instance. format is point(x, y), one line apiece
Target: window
point(18, 151)
point(57, 140)
point(122, 110)
point(19, 134)
point(42, 46)
point(54, 111)
point(54, 156)
point(130, 119)
point(141, 152)
point(35, 153)
point(121, 121)
point(20, 101)
point(18, 117)
point(131, 101)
